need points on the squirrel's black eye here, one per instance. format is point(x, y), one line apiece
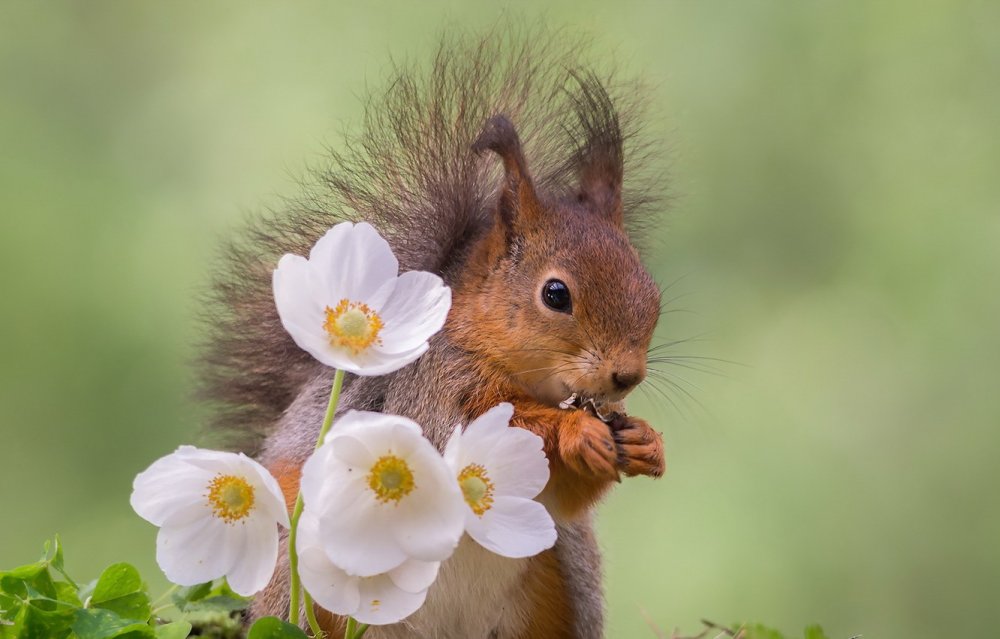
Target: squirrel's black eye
point(555, 294)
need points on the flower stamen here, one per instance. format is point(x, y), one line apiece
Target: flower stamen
point(390, 479)
point(352, 325)
point(476, 488)
point(231, 498)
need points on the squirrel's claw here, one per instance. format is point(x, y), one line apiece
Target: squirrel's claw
point(589, 449)
point(640, 448)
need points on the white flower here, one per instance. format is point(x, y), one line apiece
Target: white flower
point(382, 495)
point(381, 599)
point(500, 469)
point(347, 307)
point(218, 514)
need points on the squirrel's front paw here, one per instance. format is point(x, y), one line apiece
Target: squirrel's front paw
point(640, 448)
point(588, 448)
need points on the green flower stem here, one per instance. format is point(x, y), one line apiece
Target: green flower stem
point(293, 555)
point(166, 595)
point(354, 631)
point(331, 408)
point(311, 615)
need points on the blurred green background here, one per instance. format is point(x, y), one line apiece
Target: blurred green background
point(835, 231)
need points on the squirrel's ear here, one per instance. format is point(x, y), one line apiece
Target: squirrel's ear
point(518, 202)
point(601, 185)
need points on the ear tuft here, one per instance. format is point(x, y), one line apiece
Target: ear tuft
point(599, 147)
point(518, 201)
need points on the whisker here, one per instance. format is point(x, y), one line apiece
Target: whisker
point(538, 350)
point(658, 374)
point(662, 393)
point(698, 357)
point(580, 377)
point(678, 280)
point(692, 366)
point(544, 368)
point(584, 368)
point(666, 311)
point(593, 342)
point(653, 382)
point(675, 298)
point(677, 342)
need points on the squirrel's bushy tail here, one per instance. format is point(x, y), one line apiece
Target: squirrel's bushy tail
point(411, 173)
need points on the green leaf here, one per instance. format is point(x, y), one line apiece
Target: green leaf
point(214, 596)
point(274, 628)
point(50, 624)
point(134, 606)
point(759, 631)
point(58, 563)
point(175, 630)
point(12, 588)
point(57, 557)
point(9, 630)
point(33, 605)
point(97, 623)
point(815, 632)
point(67, 593)
point(117, 580)
point(218, 625)
point(120, 590)
point(191, 593)
point(9, 609)
point(30, 582)
point(27, 572)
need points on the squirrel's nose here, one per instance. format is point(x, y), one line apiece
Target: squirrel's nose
point(624, 380)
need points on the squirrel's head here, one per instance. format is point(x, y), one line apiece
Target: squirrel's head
point(555, 293)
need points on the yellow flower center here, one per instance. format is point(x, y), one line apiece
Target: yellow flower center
point(477, 488)
point(352, 325)
point(230, 497)
point(390, 478)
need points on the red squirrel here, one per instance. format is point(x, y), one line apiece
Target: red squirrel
point(505, 170)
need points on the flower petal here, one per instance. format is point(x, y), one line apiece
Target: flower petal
point(255, 565)
point(366, 422)
point(413, 575)
point(357, 535)
point(512, 456)
point(350, 450)
point(416, 310)
point(517, 464)
point(354, 261)
point(372, 362)
point(326, 482)
point(453, 450)
point(313, 479)
point(198, 552)
point(514, 527)
point(168, 486)
point(300, 309)
point(434, 513)
point(331, 587)
point(269, 496)
point(383, 603)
